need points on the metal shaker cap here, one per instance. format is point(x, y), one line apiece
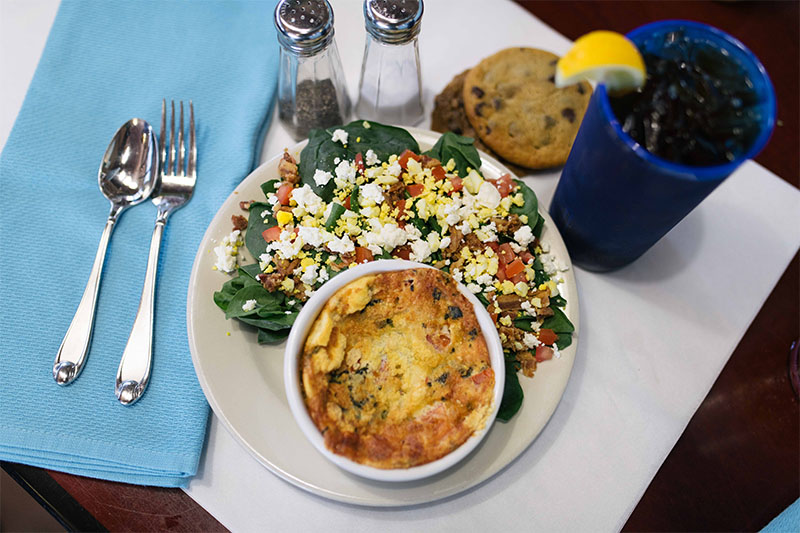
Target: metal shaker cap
point(393, 21)
point(304, 26)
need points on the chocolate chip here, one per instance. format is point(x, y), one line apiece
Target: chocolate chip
point(488, 130)
point(553, 62)
point(498, 103)
point(568, 113)
point(581, 90)
point(477, 91)
point(549, 122)
point(437, 294)
point(552, 79)
point(478, 108)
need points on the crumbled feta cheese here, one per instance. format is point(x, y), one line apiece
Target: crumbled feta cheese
point(420, 250)
point(227, 252)
point(342, 245)
point(249, 305)
point(271, 200)
point(457, 275)
point(370, 194)
point(321, 177)
point(307, 201)
point(394, 169)
point(346, 172)
point(339, 135)
point(444, 243)
point(530, 340)
point(286, 247)
point(312, 236)
point(485, 279)
point(474, 288)
point(309, 276)
point(524, 235)
point(372, 158)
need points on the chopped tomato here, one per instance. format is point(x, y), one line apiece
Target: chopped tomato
point(517, 278)
point(514, 268)
point(415, 189)
point(526, 257)
point(363, 255)
point(401, 213)
point(543, 353)
point(547, 336)
point(347, 203)
point(403, 252)
point(504, 184)
point(501, 275)
point(271, 234)
point(494, 246)
point(483, 376)
point(506, 254)
point(284, 193)
point(457, 183)
point(359, 163)
point(405, 156)
point(438, 172)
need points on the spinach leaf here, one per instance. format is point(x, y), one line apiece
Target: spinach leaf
point(253, 238)
point(530, 208)
point(321, 152)
point(559, 322)
point(224, 296)
point(524, 323)
point(355, 207)
point(263, 298)
point(250, 272)
point(557, 301)
point(269, 187)
point(512, 392)
point(459, 149)
point(336, 211)
point(266, 336)
point(564, 340)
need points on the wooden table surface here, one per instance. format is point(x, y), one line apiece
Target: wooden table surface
point(737, 464)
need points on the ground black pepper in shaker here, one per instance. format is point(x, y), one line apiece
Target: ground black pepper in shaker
point(311, 88)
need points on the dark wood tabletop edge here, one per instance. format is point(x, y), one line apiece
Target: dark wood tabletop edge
point(52, 497)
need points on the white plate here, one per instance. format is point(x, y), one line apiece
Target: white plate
point(243, 381)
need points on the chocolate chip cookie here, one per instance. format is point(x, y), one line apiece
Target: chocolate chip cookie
point(511, 100)
point(448, 115)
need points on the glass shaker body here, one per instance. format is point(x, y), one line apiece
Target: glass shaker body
point(390, 89)
point(311, 87)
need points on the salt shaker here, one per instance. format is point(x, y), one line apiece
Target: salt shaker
point(311, 87)
point(390, 89)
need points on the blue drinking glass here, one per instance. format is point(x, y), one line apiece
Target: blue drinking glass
point(615, 199)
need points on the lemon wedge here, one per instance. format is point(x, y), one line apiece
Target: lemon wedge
point(604, 57)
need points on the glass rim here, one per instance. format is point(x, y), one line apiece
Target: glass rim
point(702, 172)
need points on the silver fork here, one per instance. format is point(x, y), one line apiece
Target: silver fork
point(173, 190)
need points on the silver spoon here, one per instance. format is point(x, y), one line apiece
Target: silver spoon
point(127, 176)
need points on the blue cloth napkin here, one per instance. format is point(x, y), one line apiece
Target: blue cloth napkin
point(786, 522)
point(104, 63)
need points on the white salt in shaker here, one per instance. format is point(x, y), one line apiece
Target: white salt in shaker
point(390, 90)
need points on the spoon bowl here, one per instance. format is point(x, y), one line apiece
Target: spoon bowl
point(128, 172)
point(127, 176)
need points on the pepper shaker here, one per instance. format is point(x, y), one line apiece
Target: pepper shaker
point(311, 87)
point(390, 89)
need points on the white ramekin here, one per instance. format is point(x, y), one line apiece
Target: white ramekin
point(292, 379)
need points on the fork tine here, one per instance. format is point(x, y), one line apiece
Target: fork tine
point(171, 139)
point(181, 147)
point(192, 163)
point(162, 148)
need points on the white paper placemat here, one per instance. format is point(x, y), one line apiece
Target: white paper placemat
point(654, 336)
